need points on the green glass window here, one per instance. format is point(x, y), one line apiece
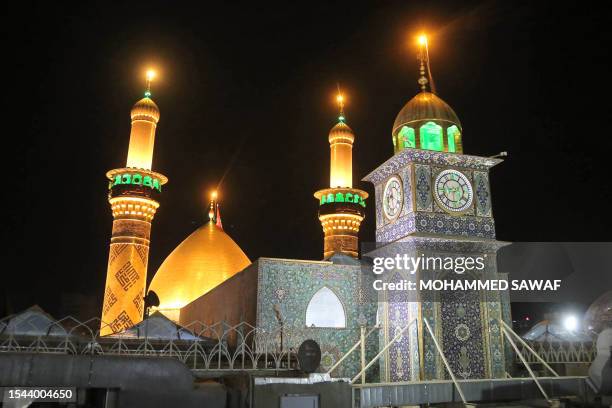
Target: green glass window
point(406, 137)
point(452, 133)
point(431, 137)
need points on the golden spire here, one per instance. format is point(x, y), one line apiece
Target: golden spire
point(424, 69)
point(150, 77)
point(213, 206)
point(340, 101)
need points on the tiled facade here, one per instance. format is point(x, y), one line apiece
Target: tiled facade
point(289, 285)
point(464, 323)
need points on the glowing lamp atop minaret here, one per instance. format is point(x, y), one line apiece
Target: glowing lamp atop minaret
point(341, 140)
point(144, 115)
point(341, 206)
point(133, 192)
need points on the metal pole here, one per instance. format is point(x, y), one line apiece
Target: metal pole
point(445, 362)
point(380, 353)
point(529, 348)
point(350, 351)
point(362, 329)
point(526, 365)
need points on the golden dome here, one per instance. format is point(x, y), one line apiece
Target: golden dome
point(426, 106)
point(341, 131)
point(202, 261)
point(145, 109)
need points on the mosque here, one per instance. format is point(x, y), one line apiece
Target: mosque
point(429, 196)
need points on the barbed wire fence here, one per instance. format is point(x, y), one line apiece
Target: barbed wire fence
point(202, 346)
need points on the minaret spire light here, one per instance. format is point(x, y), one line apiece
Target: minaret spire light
point(340, 101)
point(151, 74)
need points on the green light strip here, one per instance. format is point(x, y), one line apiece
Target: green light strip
point(137, 180)
point(342, 198)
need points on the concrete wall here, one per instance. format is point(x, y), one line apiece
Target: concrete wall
point(136, 381)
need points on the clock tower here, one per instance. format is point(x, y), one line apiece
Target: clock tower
point(434, 202)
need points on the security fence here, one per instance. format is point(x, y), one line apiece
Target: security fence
point(200, 346)
point(554, 352)
point(218, 346)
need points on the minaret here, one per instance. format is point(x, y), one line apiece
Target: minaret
point(133, 192)
point(342, 207)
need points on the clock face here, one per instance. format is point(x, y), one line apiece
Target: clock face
point(453, 191)
point(393, 198)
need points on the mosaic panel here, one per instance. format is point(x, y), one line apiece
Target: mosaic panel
point(407, 156)
point(408, 199)
point(289, 286)
point(399, 353)
point(398, 229)
point(378, 192)
point(424, 200)
point(455, 225)
point(482, 195)
point(434, 223)
point(495, 341)
point(462, 337)
point(431, 358)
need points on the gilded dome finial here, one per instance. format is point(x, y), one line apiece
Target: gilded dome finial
point(340, 101)
point(425, 77)
point(150, 76)
point(212, 207)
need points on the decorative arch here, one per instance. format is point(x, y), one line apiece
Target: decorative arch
point(325, 310)
point(430, 136)
point(406, 138)
point(452, 135)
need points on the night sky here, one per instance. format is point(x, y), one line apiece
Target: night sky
point(246, 94)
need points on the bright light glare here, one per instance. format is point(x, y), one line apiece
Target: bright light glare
point(214, 195)
point(423, 39)
point(340, 98)
point(151, 75)
point(570, 323)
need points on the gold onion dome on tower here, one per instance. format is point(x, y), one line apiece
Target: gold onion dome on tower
point(426, 106)
point(205, 259)
point(426, 121)
point(145, 109)
point(341, 131)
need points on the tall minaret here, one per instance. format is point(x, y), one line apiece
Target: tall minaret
point(133, 193)
point(342, 207)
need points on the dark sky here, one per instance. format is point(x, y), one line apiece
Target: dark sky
point(246, 98)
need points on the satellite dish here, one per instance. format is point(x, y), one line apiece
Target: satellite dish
point(309, 356)
point(151, 299)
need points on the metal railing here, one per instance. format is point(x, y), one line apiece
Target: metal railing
point(200, 346)
point(559, 352)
